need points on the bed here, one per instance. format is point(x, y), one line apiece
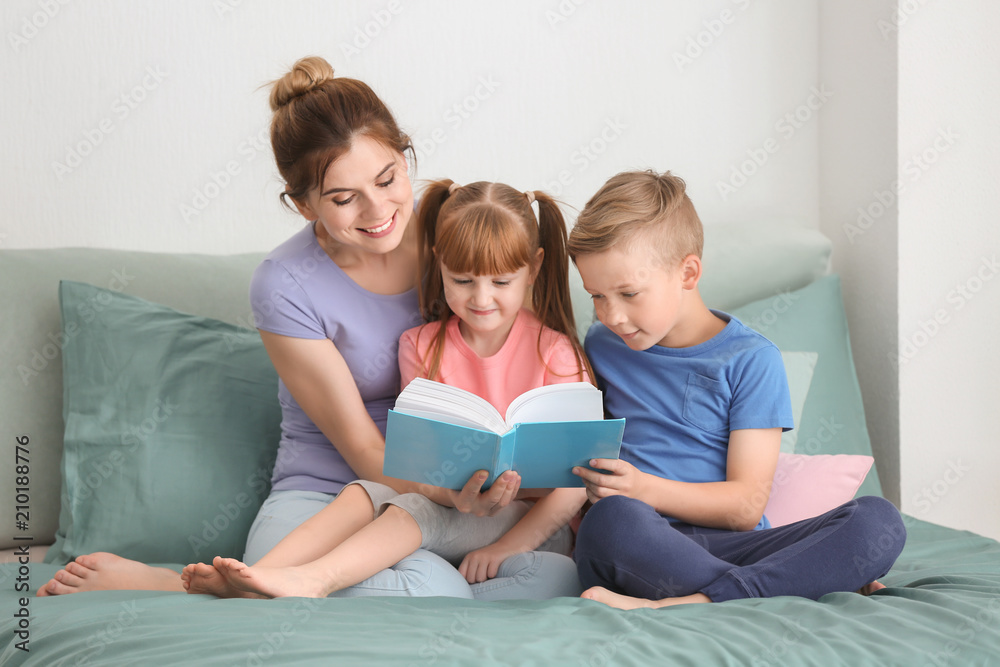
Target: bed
point(143, 407)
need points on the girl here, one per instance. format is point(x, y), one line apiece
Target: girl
point(487, 262)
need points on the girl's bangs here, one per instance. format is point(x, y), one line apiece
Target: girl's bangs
point(484, 242)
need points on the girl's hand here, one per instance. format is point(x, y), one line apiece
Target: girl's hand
point(482, 564)
point(622, 479)
point(499, 495)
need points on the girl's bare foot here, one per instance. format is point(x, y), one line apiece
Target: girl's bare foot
point(199, 578)
point(601, 594)
point(868, 589)
point(102, 571)
point(272, 582)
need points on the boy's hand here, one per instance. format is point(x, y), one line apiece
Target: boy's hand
point(621, 479)
point(482, 564)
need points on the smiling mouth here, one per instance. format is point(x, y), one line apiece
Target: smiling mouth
point(381, 228)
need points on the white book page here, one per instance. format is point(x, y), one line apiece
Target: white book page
point(571, 401)
point(426, 398)
point(442, 417)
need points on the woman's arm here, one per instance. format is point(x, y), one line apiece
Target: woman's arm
point(735, 504)
point(321, 382)
point(548, 515)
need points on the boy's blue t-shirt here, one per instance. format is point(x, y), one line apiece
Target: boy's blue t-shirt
point(680, 404)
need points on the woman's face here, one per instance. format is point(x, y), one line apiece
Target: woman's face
point(366, 200)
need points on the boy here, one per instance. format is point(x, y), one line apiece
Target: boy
point(679, 518)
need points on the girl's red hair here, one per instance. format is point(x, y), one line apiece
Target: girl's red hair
point(490, 228)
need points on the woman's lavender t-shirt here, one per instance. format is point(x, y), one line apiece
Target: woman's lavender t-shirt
point(298, 291)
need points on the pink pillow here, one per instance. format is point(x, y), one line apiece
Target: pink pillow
point(807, 486)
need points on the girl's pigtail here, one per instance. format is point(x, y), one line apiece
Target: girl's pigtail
point(431, 294)
point(550, 296)
point(433, 307)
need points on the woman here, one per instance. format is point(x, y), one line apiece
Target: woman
point(330, 304)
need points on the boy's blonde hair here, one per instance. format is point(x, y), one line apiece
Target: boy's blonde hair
point(639, 207)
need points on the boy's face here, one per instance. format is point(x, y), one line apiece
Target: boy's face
point(636, 294)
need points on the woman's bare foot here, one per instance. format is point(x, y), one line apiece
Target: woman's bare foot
point(868, 589)
point(272, 582)
point(102, 571)
point(601, 594)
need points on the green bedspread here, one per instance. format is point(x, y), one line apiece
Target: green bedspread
point(942, 607)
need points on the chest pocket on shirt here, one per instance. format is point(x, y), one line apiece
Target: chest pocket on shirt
point(706, 404)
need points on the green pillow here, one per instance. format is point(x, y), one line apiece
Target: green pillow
point(812, 319)
point(172, 424)
point(799, 367)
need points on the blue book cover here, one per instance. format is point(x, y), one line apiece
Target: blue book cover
point(444, 435)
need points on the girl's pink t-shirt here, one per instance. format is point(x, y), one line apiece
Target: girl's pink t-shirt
point(521, 364)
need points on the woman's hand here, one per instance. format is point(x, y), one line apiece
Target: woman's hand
point(482, 564)
point(489, 502)
point(621, 479)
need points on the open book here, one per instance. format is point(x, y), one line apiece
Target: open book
point(438, 434)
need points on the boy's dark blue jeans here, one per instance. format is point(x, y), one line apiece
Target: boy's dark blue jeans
point(624, 545)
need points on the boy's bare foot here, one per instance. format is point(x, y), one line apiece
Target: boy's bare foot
point(601, 594)
point(102, 571)
point(868, 589)
point(272, 582)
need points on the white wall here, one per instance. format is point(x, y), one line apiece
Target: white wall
point(857, 161)
point(949, 247)
point(557, 94)
point(559, 77)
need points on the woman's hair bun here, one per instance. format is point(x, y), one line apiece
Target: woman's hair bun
point(306, 75)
